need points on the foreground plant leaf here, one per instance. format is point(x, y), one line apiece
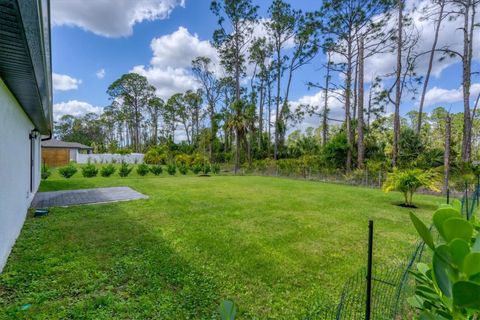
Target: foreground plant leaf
point(422, 230)
point(466, 294)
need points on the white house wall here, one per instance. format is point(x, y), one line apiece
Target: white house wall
point(15, 193)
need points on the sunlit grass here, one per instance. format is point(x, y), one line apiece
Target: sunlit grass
point(274, 246)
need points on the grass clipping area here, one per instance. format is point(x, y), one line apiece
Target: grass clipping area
point(275, 246)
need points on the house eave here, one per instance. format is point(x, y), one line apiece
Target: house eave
point(25, 58)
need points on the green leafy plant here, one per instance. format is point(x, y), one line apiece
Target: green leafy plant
point(68, 171)
point(227, 310)
point(196, 168)
point(124, 170)
point(183, 169)
point(45, 172)
point(156, 155)
point(156, 169)
point(206, 168)
point(89, 171)
point(409, 181)
point(171, 169)
point(216, 168)
point(142, 169)
point(108, 170)
point(449, 288)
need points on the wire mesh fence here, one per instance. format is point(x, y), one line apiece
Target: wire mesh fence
point(391, 284)
point(470, 199)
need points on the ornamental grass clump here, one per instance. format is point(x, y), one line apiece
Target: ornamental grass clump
point(124, 170)
point(108, 170)
point(89, 171)
point(156, 170)
point(68, 171)
point(409, 181)
point(142, 169)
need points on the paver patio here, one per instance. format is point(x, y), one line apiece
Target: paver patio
point(85, 196)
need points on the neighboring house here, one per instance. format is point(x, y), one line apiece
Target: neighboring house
point(57, 153)
point(25, 110)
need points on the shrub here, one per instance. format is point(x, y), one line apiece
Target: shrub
point(108, 170)
point(156, 155)
point(171, 169)
point(216, 168)
point(183, 160)
point(142, 169)
point(409, 181)
point(124, 170)
point(45, 172)
point(89, 171)
point(183, 169)
point(196, 168)
point(156, 170)
point(449, 287)
point(68, 171)
point(206, 168)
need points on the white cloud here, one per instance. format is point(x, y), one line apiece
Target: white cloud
point(177, 50)
point(110, 18)
point(75, 108)
point(169, 69)
point(435, 95)
point(63, 82)
point(100, 73)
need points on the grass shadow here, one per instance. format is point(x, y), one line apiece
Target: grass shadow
point(98, 262)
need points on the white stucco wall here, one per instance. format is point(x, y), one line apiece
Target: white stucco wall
point(15, 193)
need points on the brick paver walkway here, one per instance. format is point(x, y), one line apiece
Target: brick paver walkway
point(84, 196)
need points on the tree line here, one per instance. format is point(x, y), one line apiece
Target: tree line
point(244, 112)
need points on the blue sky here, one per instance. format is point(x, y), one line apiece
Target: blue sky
point(116, 36)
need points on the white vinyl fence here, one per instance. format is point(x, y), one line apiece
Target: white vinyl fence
point(110, 158)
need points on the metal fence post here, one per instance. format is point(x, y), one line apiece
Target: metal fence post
point(368, 301)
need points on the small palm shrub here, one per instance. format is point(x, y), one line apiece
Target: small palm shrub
point(183, 169)
point(89, 171)
point(449, 287)
point(108, 170)
point(409, 181)
point(156, 169)
point(142, 169)
point(45, 172)
point(171, 169)
point(124, 170)
point(215, 168)
point(68, 171)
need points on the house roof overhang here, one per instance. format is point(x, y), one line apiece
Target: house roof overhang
point(25, 57)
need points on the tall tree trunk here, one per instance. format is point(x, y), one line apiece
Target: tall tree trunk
point(355, 91)
point(360, 122)
point(269, 117)
point(325, 103)
point(446, 154)
point(348, 120)
point(277, 112)
point(237, 97)
point(468, 29)
point(260, 115)
point(369, 110)
point(430, 64)
point(398, 91)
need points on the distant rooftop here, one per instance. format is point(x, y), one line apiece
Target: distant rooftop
point(54, 143)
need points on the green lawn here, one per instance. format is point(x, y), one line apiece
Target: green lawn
point(275, 246)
